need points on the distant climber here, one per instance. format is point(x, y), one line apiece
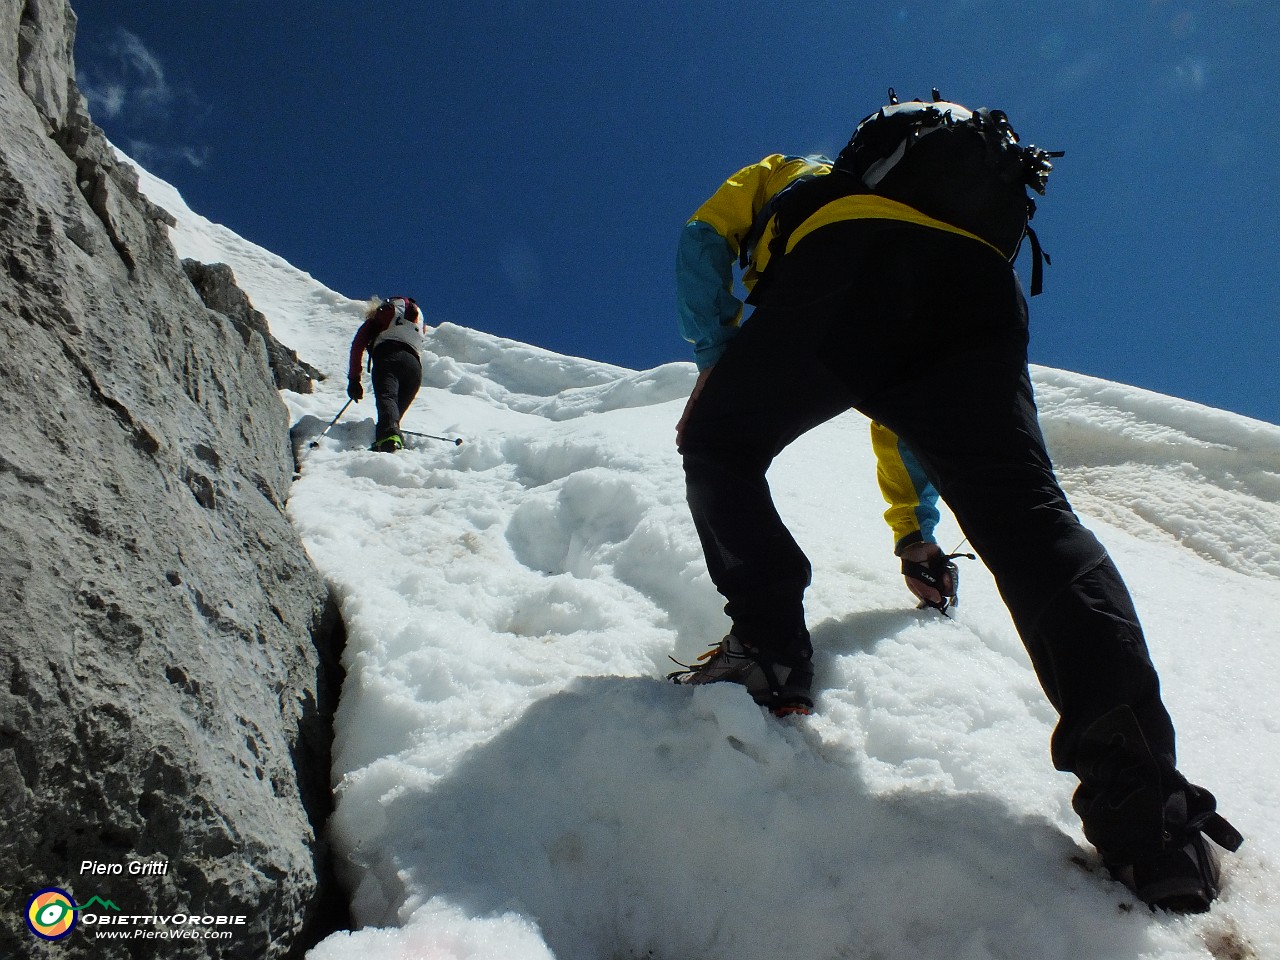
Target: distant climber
point(392, 332)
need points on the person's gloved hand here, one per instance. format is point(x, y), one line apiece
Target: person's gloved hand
point(927, 585)
point(931, 576)
point(355, 391)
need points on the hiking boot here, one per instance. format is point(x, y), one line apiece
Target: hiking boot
point(1183, 875)
point(1150, 824)
point(388, 444)
point(783, 689)
point(1183, 879)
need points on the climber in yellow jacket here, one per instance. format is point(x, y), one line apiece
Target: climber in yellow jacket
point(735, 230)
point(884, 282)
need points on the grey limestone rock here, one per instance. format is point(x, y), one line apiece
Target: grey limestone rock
point(216, 284)
point(167, 649)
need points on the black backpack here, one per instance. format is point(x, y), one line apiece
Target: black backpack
point(964, 167)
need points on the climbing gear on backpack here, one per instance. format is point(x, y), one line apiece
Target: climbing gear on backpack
point(785, 690)
point(940, 573)
point(964, 167)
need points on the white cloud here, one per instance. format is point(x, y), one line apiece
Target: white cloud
point(128, 80)
point(155, 156)
point(127, 88)
point(105, 99)
point(150, 87)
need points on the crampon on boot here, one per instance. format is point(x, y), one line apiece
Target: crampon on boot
point(784, 689)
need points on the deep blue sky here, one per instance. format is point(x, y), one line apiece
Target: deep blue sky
point(524, 167)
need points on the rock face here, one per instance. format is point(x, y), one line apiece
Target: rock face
point(216, 284)
point(167, 647)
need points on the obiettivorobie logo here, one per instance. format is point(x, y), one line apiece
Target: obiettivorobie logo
point(52, 914)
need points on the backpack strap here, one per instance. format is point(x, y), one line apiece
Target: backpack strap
point(1038, 259)
point(793, 205)
point(751, 239)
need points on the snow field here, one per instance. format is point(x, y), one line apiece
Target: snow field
point(515, 780)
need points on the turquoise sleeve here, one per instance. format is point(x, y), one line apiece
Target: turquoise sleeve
point(709, 312)
point(926, 509)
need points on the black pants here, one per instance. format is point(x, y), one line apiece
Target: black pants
point(926, 333)
point(397, 375)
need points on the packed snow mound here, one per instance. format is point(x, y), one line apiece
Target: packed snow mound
point(532, 380)
point(1167, 469)
point(515, 780)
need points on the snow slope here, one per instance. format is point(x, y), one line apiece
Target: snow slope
point(515, 781)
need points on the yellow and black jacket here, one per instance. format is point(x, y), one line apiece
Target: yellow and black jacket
point(711, 246)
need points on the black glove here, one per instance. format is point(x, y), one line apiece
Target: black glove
point(355, 391)
point(932, 576)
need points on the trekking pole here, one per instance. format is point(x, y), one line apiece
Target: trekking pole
point(456, 441)
point(316, 442)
